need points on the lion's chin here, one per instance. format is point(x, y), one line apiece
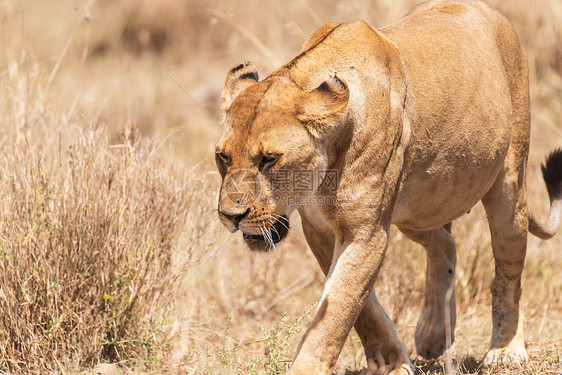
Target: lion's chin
point(276, 233)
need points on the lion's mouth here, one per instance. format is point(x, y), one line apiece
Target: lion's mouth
point(273, 234)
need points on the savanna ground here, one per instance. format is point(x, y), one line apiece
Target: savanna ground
point(110, 250)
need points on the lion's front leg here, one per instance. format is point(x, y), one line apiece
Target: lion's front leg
point(347, 289)
point(383, 348)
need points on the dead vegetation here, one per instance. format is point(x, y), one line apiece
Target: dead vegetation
point(87, 237)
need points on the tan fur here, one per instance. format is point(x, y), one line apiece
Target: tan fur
point(421, 119)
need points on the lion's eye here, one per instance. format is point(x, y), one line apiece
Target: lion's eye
point(268, 160)
point(222, 157)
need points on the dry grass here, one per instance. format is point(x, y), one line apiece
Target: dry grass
point(87, 234)
point(86, 203)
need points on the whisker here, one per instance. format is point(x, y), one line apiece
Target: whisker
point(263, 234)
point(280, 219)
point(269, 229)
point(262, 231)
point(270, 236)
point(274, 229)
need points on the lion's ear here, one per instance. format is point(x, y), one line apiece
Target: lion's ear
point(240, 77)
point(323, 104)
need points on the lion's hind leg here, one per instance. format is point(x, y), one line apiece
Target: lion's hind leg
point(506, 206)
point(436, 326)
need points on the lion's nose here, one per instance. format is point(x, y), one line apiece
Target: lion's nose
point(235, 217)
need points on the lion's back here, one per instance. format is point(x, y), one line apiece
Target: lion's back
point(465, 65)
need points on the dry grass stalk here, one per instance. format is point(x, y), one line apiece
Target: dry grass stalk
point(87, 233)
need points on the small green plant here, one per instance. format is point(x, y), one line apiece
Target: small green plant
point(225, 350)
point(225, 360)
point(278, 340)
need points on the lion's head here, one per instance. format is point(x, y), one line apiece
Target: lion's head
point(272, 128)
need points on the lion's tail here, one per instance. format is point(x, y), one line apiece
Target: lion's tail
point(552, 174)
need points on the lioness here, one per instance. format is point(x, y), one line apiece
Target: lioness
point(421, 120)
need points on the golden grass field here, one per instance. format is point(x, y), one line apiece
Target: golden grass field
point(110, 249)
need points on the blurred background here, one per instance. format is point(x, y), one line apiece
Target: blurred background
point(155, 69)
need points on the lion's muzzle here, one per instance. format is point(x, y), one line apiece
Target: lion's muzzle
point(235, 216)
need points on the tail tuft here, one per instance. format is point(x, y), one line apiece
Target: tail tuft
point(552, 174)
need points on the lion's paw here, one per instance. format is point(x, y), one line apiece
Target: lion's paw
point(405, 369)
point(431, 336)
point(503, 356)
point(374, 369)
